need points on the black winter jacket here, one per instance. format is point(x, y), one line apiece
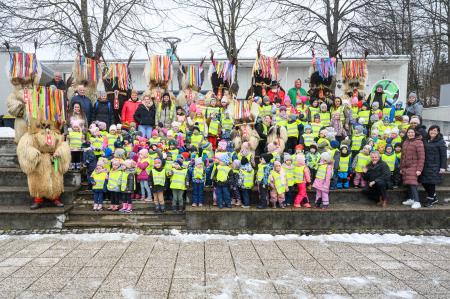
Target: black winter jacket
point(103, 111)
point(380, 173)
point(130, 182)
point(435, 159)
point(145, 116)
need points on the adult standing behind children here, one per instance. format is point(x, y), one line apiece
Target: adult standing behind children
point(165, 112)
point(411, 165)
point(84, 102)
point(296, 92)
point(103, 110)
point(145, 116)
point(129, 108)
point(435, 163)
point(413, 105)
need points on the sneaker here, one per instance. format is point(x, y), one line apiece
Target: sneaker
point(416, 205)
point(408, 202)
point(95, 207)
point(307, 205)
point(324, 207)
point(431, 201)
point(245, 207)
point(200, 205)
point(194, 204)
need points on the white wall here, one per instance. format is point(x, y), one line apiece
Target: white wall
point(5, 86)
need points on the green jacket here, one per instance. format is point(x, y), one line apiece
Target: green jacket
point(292, 93)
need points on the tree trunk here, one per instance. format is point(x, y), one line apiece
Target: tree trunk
point(88, 48)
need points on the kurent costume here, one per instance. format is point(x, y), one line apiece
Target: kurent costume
point(43, 154)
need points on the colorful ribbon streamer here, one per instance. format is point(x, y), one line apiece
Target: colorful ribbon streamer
point(46, 103)
point(354, 69)
point(87, 68)
point(161, 69)
point(325, 66)
point(23, 65)
point(267, 66)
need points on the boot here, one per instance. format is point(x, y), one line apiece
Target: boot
point(124, 207)
point(129, 208)
point(157, 208)
point(57, 202)
point(431, 201)
point(95, 207)
point(162, 209)
point(384, 205)
point(318, 203)
point(37, 203)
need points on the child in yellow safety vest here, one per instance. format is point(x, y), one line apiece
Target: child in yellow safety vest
point(292, 127)
point(178, 183)
point(344, 168)
point(114, 184)
point(301, 178)
point(247, 174)
point(323, 179)
point(308, 136)
point(361, 161)
point(128, 185)
point(393, 162)
point(75, 138)
point(98, 179)
point(325, 117)
point(278, 185)
point(289, 170)
point(214, 128)
point(198, 182)
point(262, 179)
point(157, 179)
point(196, 137)
point(221, 176)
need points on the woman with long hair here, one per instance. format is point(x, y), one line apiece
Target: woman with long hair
point(165, 113)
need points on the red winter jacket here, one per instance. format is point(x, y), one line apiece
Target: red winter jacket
point(412, 160)
point(128, 110)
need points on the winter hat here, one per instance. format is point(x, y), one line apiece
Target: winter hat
point(236, 164)
point(412, 94)
point(299, 147)
point(115, 162)
point(361, 120)
point(308, 126)
point(386, 119)
point(398, 104)
point(415, 120)
point(247, 167)
point(367, 147)
point(100, 163)
point(334, 143)
point(172, 142)
point(354, 101)
point(101, 125)
point(143, 151)
point(374, 118)
point(343, 146)
point(129, 163)
point(119, 126)
point(389, 145)
point(283, 108)
point(198, 161)
point(405, 118)
point(375, 105)
point(323, 105)
point(387, 131)
point(225, 159)
point(292, 117)
point(266, 99)
point(244, 161)
point(267, 157)
point(345, 102)
point(287, 157)
point(154, 132)
point(113, 128)
point(303, 99)
point(196, 128)
point(107, 152)
point(185, 155)
point(222, 145)
point(359, 129)
point(179, 162)
point(119, 153)
point(317, 115)
point(394, 130)
point(277, 163)
point(326, 157)
point(176, 124)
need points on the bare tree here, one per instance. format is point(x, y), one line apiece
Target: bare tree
point(307, 24)
point(230, 23)
point(93, 24)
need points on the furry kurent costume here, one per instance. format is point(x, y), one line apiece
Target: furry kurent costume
point(158, 72)
point(24, 72)
point(190, 81)
point(322, 79)
point(118, 85)
point(43, 154)
point(85, 71)
point(354, 77)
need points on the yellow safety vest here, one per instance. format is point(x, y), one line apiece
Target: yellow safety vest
point(154, 140)
point(186, 163)
point(387, 111)
point(265, 110)
point(321, 171)
point(178, 180)
point(99, 179)
point(175, 153)
point(280, 186)
point(308, 138)
point(399, 155)
point(397, 139)
point(299, 172)
point(127, 148)
point(280, 121)
point(227, 124)
point(325, 118)
point(248, 177)
point(159, 177)
point(123, 185)
point(249, 156)
point(114, 180)
point(390, 160)
point(260, 172)
point(196, 139)
point(222, 173)
point(316, 128)
point(357, 142)
point(201, 124)
point(292, 129)
point(213, 128)
point(313, 111)
point(366, 115)
point(75, 140)
point(343, 163)
point(355, 111)
point(290, 175)
point(198, 173)
point(169, 165)
point(111, 140)
point(363, 161)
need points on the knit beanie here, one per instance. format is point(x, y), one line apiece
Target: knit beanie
point(267, 157)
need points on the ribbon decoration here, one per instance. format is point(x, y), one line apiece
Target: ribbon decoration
point(23, 65)
point(267, 66)
point(325, 66)
point(354, 69)
point(46, 103)
point(161, 69)
point(118, 73)
point(193, 77)
point(224, 70)
point(241, 109)
point(116, 99)
point(55, 164)
point(87, 68)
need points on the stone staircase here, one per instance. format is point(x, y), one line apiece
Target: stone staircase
point(15, 200)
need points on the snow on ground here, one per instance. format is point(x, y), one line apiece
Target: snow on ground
point(175, 235)
point(6, 132)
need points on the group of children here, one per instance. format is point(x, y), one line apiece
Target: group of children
point(327, 148)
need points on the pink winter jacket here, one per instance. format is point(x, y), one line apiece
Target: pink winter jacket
point(143, 176)
point(324, 184)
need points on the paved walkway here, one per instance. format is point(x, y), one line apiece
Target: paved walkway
point(207, 266)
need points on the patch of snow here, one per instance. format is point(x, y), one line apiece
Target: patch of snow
point(129, 293)
point(6, 132)
point(95, 237)
point(60, 221)
point(402, 294)
point(347, 238)
point(358, 281)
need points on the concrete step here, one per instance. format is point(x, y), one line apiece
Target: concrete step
point(20, 196)
point(9, 160)
point(147, 225)
point(339, 216)
point(7, 145)
point(21, 217)
point(342, 196)
point(13, 176)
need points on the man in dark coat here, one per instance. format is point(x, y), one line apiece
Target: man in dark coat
point(57, 81)
point(102, 110)
point(378, 176)
point(435, 163)
point(84, 102)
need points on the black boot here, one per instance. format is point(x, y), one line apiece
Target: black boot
point(162, 208)
point(157, 208)
point(318, 203)
point(431, 201)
